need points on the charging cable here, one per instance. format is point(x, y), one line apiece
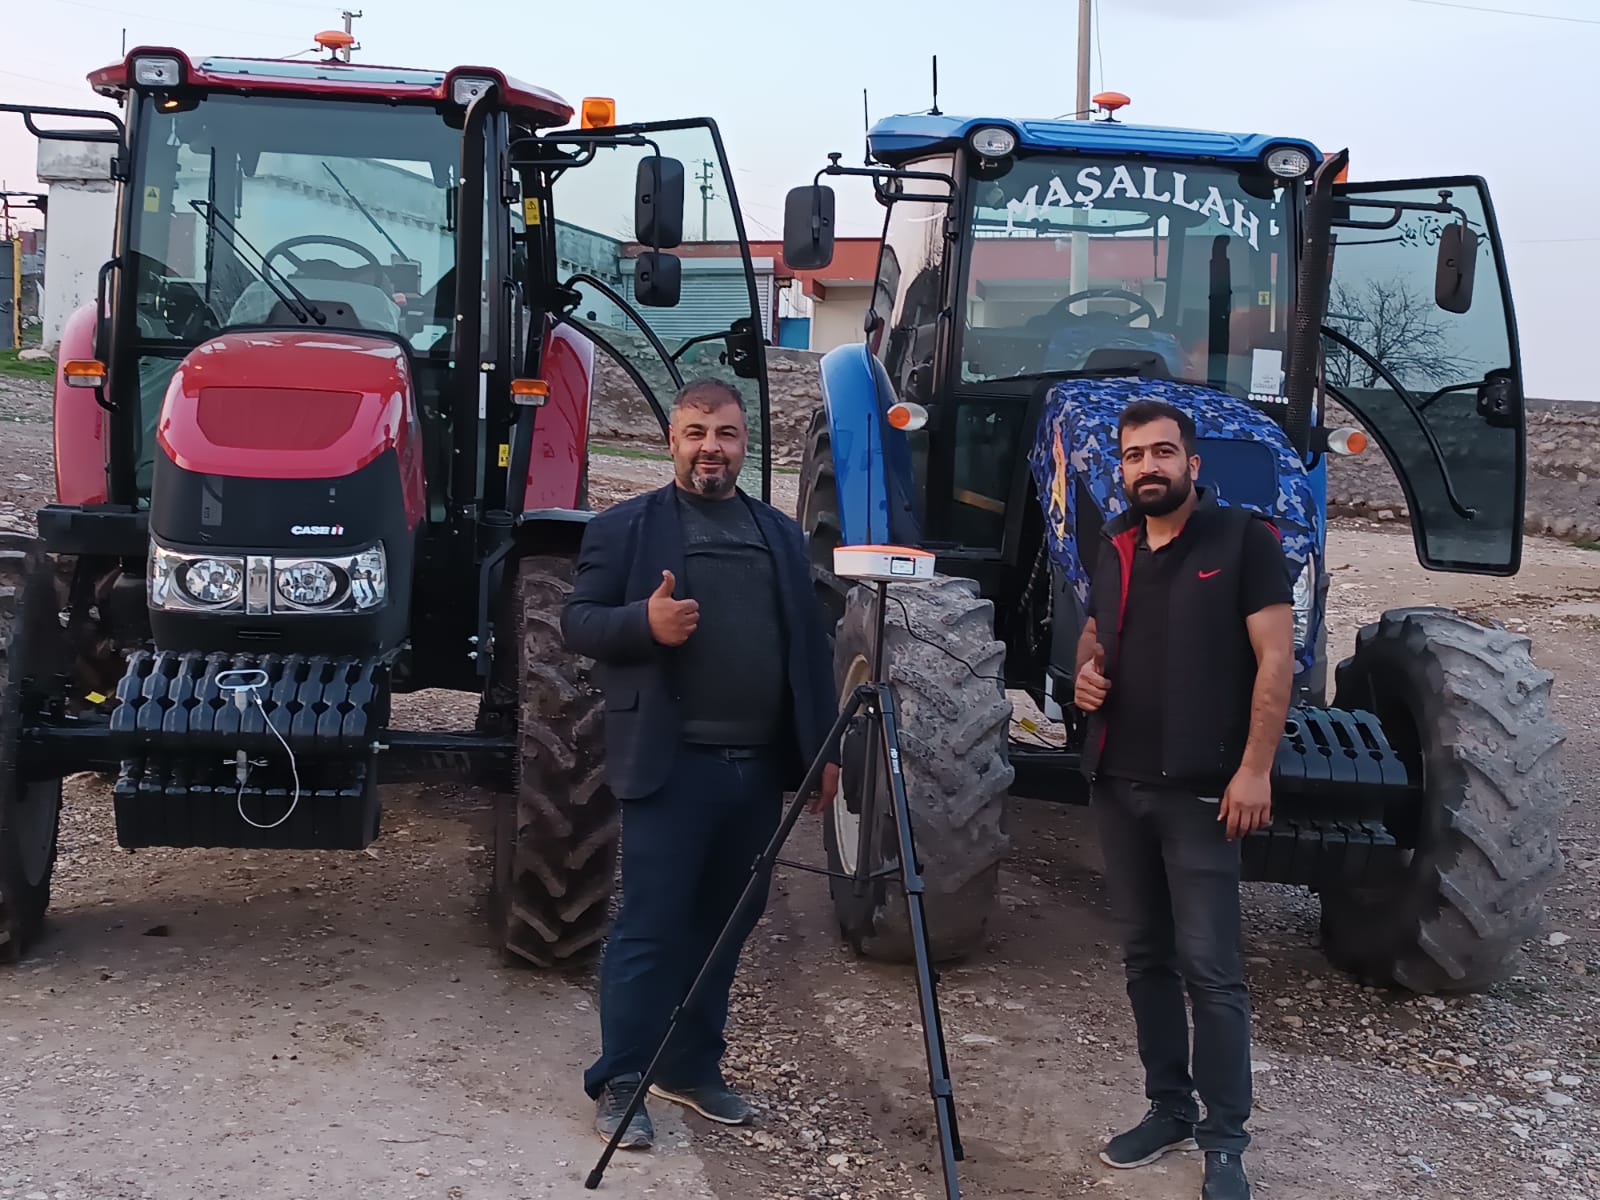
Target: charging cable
point(243, 693)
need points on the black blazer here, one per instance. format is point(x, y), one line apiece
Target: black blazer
point(625, 549)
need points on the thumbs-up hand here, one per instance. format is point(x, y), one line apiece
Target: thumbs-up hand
point(1089, 690)
point(671, 621)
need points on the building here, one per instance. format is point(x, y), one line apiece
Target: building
point(825, 308)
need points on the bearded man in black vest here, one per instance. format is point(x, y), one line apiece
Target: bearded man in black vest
point(1184, 669)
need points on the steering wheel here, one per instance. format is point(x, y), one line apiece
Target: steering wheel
point(329, 239)
point(1143, 306)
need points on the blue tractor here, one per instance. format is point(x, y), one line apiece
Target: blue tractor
point(1035, 276)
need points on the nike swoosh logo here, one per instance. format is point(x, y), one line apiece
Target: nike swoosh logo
point(1209, 574)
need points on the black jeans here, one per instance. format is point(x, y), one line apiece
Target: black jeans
point(687, 852)
point(1173, 878)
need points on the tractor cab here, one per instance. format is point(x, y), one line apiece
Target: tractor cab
point(270, 195)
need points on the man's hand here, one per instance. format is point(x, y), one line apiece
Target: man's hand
point(671, 621)
point(827, 791)
point(1247, 804)
point(1089, 691)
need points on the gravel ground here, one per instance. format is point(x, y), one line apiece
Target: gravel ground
point(210, 1024)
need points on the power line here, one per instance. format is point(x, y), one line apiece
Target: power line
point(124, 12)
point(1508, 12)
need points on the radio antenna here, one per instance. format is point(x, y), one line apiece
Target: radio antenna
point(866, 131)
point(934, 111)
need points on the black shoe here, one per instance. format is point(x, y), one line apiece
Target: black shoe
point(613, 1101)
point(714, 1101)
point(1224, 1177)
point(1147, 1141)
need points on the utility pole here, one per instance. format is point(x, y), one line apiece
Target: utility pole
point(705, 197)
point(1080, 238)
point(349, 22)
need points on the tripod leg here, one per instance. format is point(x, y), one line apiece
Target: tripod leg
point(881, 711)
point(763, 867)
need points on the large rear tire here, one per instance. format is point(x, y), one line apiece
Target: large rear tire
point(30, 812)
point(556, 834)
point(954, 726)
point(1470, 705)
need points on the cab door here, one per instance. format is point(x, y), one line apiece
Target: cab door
point(1420, 345)
point(663, 314)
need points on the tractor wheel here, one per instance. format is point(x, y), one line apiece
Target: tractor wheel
point(954, 727)
point(1470, 705)
point(818, 508)
point(30, 812)
point(556, 834)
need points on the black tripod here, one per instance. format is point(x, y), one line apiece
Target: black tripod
point(876, 702)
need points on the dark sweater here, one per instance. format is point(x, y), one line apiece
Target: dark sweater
point(732, 667)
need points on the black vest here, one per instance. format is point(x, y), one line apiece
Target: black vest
point(1211, 666)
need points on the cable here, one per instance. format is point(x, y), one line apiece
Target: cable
point(245, 776)
point(1508, 12)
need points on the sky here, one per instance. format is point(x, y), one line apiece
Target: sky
point(1413, 88)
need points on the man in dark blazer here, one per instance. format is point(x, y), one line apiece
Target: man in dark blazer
point(696, 603)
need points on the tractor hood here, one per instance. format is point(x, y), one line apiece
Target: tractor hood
point(287, 404)
point(1245, 458)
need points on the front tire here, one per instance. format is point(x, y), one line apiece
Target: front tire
point(954, 726)
point(556, 834)
point(30, 811)
point(1468, 703)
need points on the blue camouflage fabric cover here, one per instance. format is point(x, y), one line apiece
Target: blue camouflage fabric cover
point(1077, 439)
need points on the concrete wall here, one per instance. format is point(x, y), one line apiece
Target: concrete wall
point(81, 221)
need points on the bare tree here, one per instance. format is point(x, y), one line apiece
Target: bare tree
point(1402, 330)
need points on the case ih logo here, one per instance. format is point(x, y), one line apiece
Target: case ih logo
point(316, 530)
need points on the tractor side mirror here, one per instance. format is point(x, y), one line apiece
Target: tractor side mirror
point(739, 349)
point(1452, 279)
point(657, 279)
point(658, 203)
point(808, 228)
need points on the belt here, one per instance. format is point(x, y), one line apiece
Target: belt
point(730, 753)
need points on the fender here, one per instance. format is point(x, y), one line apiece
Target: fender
point(560, 444)
point(871, 461)
point(80, 431)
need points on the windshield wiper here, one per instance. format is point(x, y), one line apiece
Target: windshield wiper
point(304, 311)
point(371, 220)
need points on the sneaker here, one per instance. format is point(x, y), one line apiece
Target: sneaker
point(1147, 1141)
point(1224, 1177)
point(609, 1107)
point(714, 1101)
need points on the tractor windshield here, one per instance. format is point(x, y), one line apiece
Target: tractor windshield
point(259, 210)
point(1084, 263)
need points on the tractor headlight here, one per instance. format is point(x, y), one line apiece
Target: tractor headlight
point(262, 584)
point(1304, 590)
point(195, 581)
point(369, 581)
point(993, 141)
point(1288, 162)
point(309, 584)
point(157, 72)
point(464, 89)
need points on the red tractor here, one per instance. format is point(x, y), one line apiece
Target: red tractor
point(323, 440)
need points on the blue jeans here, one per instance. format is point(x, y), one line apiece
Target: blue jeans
point(687, 853)
point(1173, 879)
